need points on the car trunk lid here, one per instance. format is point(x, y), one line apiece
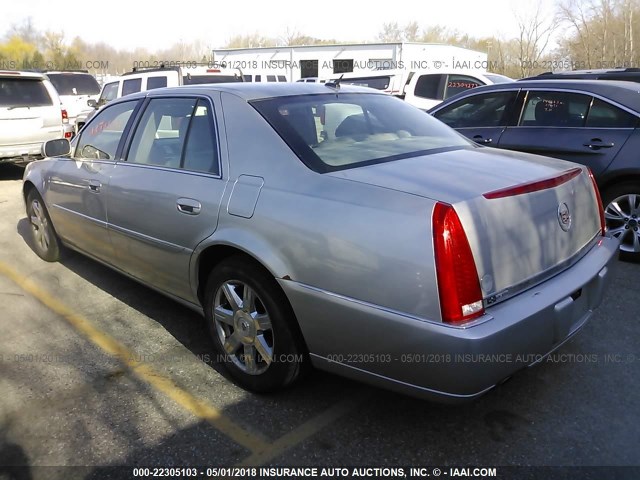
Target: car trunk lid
point(525, 216)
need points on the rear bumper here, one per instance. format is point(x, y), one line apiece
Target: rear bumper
point(431, 360)
point(20, 153)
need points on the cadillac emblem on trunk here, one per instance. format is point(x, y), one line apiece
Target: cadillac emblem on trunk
point(564, 217)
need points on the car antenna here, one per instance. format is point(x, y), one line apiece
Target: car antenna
point(335, 83)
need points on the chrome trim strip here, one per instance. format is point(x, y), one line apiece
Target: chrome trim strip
point(86, 217)
point(172, 247)
point(168, 169)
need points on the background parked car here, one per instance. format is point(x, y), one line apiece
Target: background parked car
point(625, 74)
point(423, 88)
point(143, 79)
point(30, 114)
point(75, 88)
point(340, 227)
point(593, 122)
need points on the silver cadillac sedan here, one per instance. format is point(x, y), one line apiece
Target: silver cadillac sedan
point(332, 226)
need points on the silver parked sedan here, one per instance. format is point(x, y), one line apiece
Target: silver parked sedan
point(333, 226)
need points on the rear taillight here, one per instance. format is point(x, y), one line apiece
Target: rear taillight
point(65, 116)
point(458, 284)
point(603, 226)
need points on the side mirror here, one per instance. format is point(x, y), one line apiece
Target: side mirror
point(92, 103)
point(56, 148)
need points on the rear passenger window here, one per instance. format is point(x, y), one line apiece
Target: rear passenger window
point(156, 82)
point(176, 133)
point(131, 86)
point(605, 115)
point(555, 109)
point(427, 86)
point(100, 138)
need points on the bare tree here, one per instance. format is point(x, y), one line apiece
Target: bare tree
point(535, 32)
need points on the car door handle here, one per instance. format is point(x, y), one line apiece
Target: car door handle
point(94, 186)
point(481, 140)
point(596, 144)
point(189, 206)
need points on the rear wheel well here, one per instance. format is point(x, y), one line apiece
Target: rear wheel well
point(215, 254)
point(212, 256)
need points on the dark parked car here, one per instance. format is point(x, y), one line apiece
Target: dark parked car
point(626, 74)
point(592, 122)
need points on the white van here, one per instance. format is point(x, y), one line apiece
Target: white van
point(30, 115)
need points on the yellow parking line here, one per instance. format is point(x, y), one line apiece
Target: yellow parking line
point(199, 408)
point(301, 433)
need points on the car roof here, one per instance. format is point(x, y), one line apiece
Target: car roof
point(256, 90)
point(19, 74)
point(624, 93)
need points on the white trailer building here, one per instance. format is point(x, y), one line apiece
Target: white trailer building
point(325, 61)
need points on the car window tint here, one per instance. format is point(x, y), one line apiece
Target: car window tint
point(200, 152)
point(486, 110)
point(555, 109)
point(74, 83)
point(156, 82)
point(100, 138)
point(23, 92)
point(131, 86)
point(160, 136)
point(605, 115)
point(427, 86)
point(460, 83)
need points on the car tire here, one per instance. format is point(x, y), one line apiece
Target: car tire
point(254, 330)
point(46, 243)
point(622, 216)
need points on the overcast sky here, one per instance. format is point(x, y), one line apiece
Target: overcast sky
point(127, 24)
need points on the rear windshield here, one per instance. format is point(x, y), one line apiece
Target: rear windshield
point(83, 83)
point(337, 131)
point(200, 79)
point(21, 92)
point(379, 83)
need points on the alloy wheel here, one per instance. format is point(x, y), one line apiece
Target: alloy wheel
point(243, 326)
point(623, 221)
point(39, 225)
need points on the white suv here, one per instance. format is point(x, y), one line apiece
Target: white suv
point(75, 88)
point(30, 114)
